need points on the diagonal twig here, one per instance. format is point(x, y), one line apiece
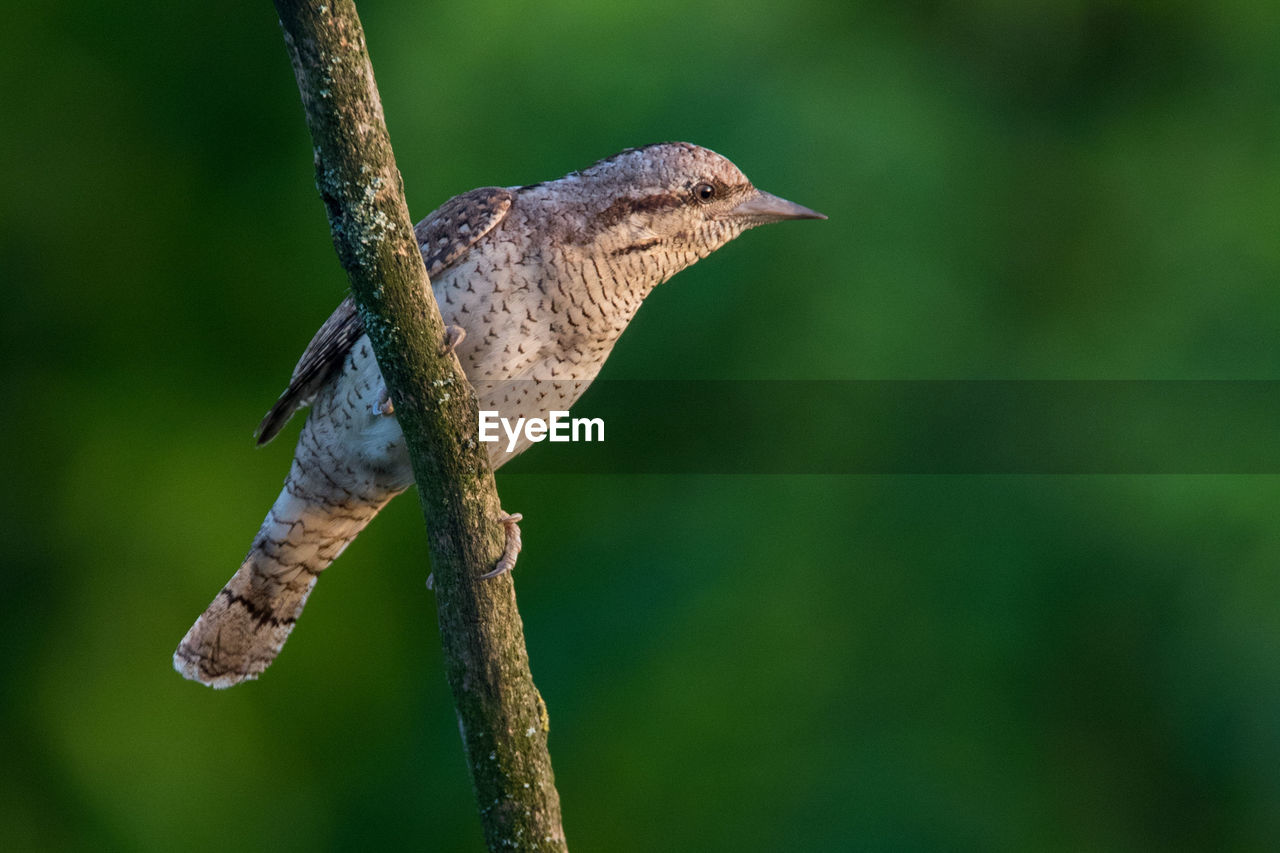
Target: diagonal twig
point(500, 713)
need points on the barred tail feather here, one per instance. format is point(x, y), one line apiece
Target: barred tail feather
point(243, 630)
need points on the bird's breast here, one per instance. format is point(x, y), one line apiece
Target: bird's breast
point(550, 313)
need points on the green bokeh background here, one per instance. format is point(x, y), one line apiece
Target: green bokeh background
point(1078, 190)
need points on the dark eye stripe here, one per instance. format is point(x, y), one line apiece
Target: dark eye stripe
point(624, 207)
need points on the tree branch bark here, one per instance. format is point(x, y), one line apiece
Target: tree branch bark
point(501, 715)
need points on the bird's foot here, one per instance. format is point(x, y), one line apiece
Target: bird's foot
point(510, 523)
point(453, 335)
point(382, 401)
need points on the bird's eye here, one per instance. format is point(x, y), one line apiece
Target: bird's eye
point(704, 192)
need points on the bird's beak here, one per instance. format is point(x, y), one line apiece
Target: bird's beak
point(762, 207)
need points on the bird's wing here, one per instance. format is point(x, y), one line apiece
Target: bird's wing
point(451, 229)
point(443, 237)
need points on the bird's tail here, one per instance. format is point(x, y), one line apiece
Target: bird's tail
point(243, 630)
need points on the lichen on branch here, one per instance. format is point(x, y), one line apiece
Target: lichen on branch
point(500, 713)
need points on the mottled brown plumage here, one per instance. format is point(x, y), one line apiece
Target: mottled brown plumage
point(543, 279)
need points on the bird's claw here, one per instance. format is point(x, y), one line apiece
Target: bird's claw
point(453, 335)
point(507, 562)
point(382, 401)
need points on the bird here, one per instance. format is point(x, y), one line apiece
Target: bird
point(535, 283)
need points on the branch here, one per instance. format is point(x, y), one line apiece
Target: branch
point(500, 713)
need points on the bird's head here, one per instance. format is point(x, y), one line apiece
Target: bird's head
point(673, 201)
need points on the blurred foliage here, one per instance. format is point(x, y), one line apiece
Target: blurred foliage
point(1071, 189)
